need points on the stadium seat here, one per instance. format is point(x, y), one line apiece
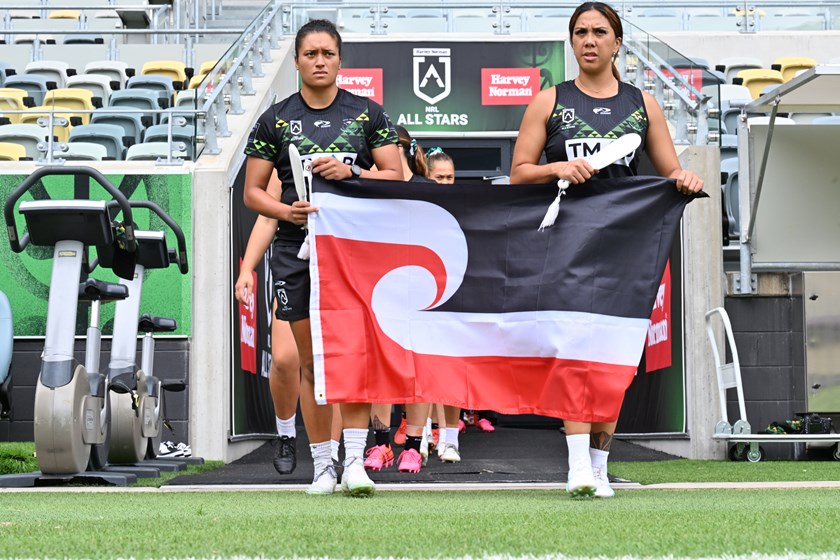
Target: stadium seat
point(730, 92)
point(790, 65)
point(11, 151)
point(64, 14)
point(833, 119)
point(118, 71)
point(173, 69)
point(184, 134)
point(86, 39)
point(35, 86)
point(14, 99)
point(145, 99)
point(108, 135)
point(154, 150)
point(30, 136)
point(98, 84)
point(28, 39)
point(79, 99)
point(807, 118)
point(756, 79)
point(39, 116)
point(81, 151)
point(3, 67)
point(53, 70)
point(728, 146)
point(132, 123)
point(732, 65)
point(161, 84)
point(765, 119)
point(731, 196)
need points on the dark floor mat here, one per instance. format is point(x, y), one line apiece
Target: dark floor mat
point(506, 455)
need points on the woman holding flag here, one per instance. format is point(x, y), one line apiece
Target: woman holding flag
point(565, 122)
point(320, 119)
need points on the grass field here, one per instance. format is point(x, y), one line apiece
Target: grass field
point(696, 523)
point(753, 524)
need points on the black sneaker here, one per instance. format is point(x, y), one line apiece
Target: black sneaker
point(285, 457)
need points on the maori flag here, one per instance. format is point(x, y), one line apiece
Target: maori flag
point(449, 294)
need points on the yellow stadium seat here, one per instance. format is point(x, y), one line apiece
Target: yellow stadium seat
point(13, 99)
point(206, 66)
point(65, 14)
point(790, 65)
point(32, 115)
point(756, 79)
point(77, 99)
point(197, 79)
point(171, 68)
point(11, 152)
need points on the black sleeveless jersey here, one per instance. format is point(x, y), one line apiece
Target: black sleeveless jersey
point(348, 129)
point(580, 125)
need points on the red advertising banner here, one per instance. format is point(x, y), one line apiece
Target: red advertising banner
point(658, 344)
point(509, 86)
point(366, 82)
point(248, 330)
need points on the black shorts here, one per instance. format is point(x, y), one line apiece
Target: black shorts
point(291, 281)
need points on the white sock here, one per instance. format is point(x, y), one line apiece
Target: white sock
point(442, 438)
point(334, 443)
point(598, 458)
point(429, 424)
point(286, 427)
point(578, 449)
point(355, 440)
point(320, 455)
point(452, 436)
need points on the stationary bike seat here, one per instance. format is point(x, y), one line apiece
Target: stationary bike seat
point(153, 324)
point(93, 290)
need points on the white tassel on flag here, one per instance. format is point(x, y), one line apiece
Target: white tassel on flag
point(303, 254)
point(554, 207)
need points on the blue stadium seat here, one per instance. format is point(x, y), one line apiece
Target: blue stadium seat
point(36, 86)
point(108, 135)
point(185, 134)
point(132, 123)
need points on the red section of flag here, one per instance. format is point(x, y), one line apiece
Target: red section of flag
point(658, 343)
point(509, 86)
point(248, 330)
point(366, 82)
point(348, 271)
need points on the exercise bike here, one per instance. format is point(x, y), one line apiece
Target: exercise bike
point(136, 394)
point(6, 340)
point(71, 405)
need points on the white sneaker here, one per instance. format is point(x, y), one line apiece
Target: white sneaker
point(355, 481)
point(450, 454)
point(424, 447)
point(602, 484)
point(324, 482)
point(581, 483)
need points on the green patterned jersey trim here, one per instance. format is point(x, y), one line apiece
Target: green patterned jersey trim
point(583, 130)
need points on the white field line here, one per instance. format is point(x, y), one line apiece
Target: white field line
point(435, 487)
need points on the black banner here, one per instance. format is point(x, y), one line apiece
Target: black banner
point(252, 407)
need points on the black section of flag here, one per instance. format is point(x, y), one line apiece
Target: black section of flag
point(605, 254)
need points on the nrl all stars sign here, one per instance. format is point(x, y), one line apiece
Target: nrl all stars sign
point(452, 86)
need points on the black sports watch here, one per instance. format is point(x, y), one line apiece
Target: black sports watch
point(355, 170)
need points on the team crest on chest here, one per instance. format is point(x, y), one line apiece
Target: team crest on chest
point(567, 116)
point(295, 127)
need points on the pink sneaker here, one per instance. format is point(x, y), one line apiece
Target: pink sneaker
point(485, 426)
point(410, 461)
point(379, 457)
point(462, 427)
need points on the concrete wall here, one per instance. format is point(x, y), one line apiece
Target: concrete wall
point(210, 356)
